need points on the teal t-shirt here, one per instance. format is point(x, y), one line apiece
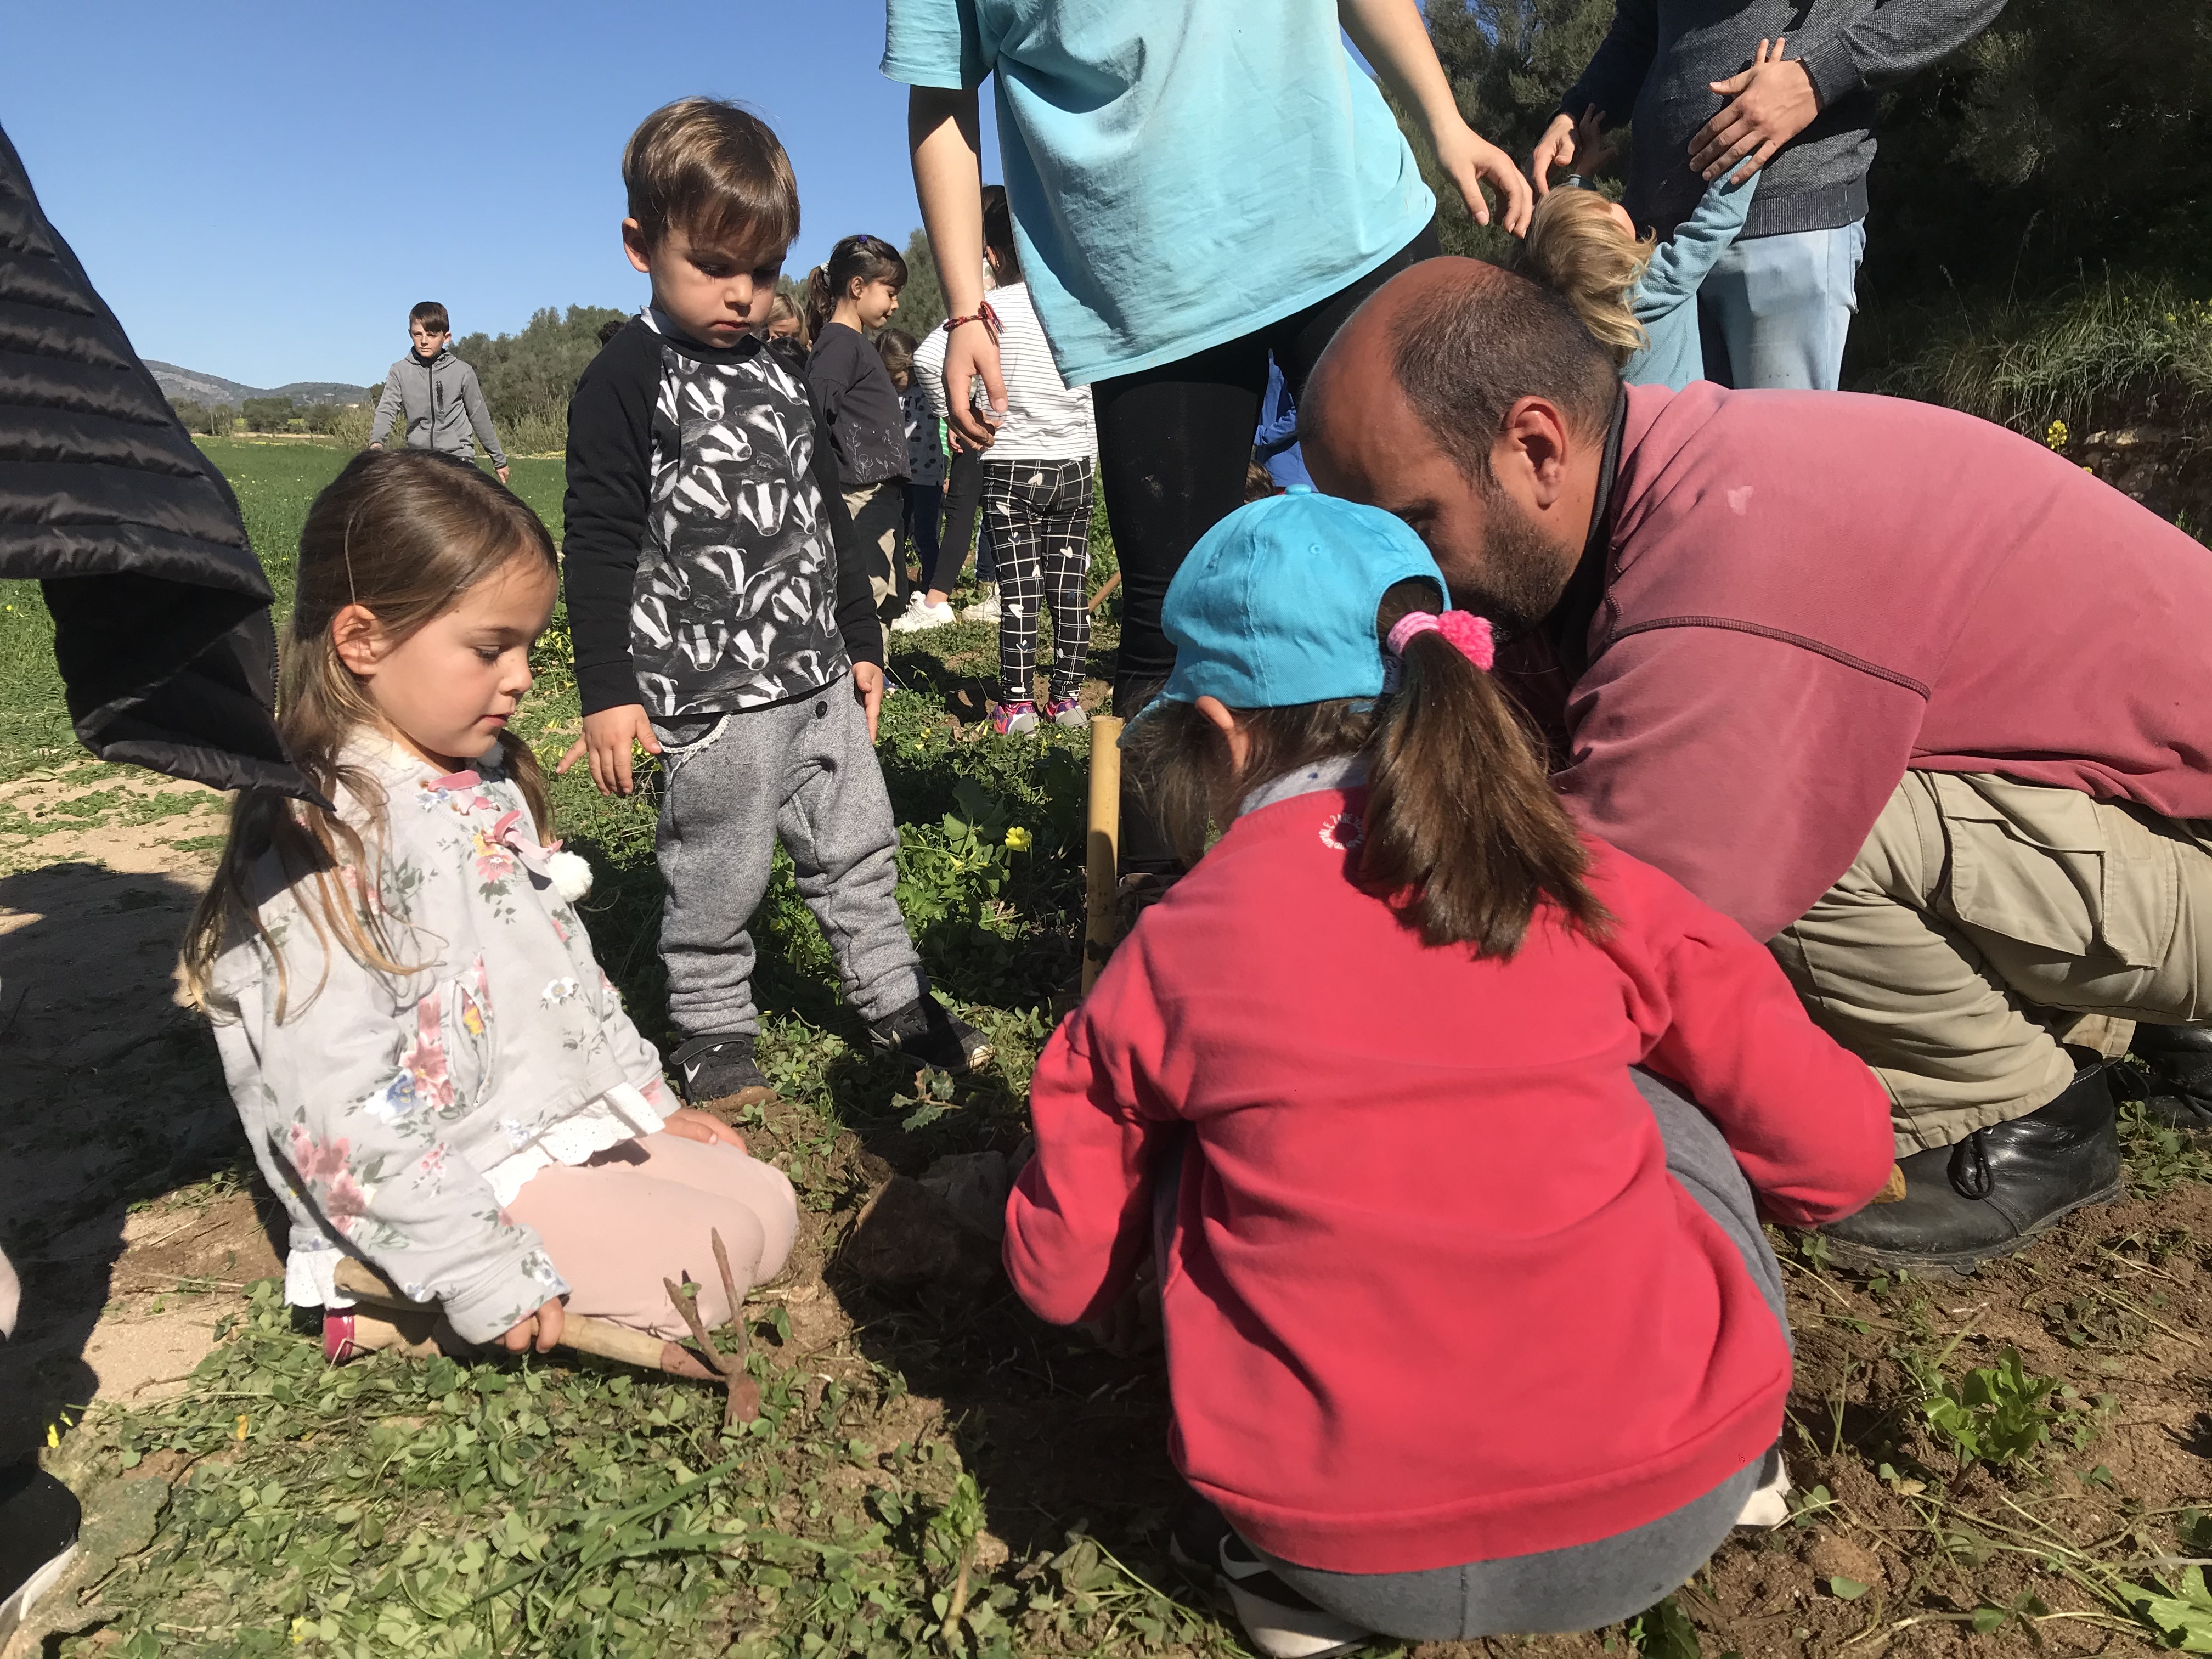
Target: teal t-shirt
point(1181, 172)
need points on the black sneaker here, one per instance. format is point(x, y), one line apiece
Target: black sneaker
point(719, 1074)
point(931, 1034)
point(1278, 1621)
point(1995, 1190)
point(2177, 1090)
point(38, 1537)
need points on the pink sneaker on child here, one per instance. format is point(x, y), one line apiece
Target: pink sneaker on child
point(1066, 711)
point(1010, 718)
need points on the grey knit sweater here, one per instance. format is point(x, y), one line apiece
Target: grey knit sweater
point(1661, 56)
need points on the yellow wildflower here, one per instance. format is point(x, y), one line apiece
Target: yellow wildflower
point(1018, 840)
point(242, 1425)
point(2056, 435)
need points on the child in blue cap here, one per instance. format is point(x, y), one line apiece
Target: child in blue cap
point(1450, 1127)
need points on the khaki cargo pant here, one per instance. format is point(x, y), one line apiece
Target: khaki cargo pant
point(878, 512)
point(1985, 926)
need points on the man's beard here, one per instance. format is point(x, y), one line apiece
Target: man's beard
point(1522, 578)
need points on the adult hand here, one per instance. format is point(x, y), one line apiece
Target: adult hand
point(1769, 104)
point(608, 737)
point(1556, 148)
point(971, 351)
point(1467, 159)
point(503, 475)
point(544, 1326)
point(868, 688)
point(376, 446)
point(687, 1124)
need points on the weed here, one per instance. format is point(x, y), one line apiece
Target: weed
point(2000, 1414)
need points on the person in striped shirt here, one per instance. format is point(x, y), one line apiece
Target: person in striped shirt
point(1038, 476)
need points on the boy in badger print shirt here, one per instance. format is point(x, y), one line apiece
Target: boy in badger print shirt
point(722, 611)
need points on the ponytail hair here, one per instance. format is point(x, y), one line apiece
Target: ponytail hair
point(1463, 831)
point(866, 258)
point(999, 235)
point(1577, 249)
point(1463, 834)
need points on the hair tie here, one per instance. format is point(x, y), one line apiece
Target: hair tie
point(1470, 634)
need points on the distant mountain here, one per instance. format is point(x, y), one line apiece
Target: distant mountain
point(190, 384)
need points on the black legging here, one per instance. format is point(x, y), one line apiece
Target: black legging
point(963, 494)
point(1174, 443)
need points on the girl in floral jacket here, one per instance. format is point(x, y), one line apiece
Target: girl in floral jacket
point(433, 1072)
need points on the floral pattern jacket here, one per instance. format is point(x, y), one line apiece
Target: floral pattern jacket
point(377, 1102)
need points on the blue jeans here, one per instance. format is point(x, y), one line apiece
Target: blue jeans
point(1774, 310)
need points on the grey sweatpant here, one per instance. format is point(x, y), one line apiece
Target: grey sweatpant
point(806, 772)
point(1586, 1585)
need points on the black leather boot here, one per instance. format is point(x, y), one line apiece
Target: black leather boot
point(1995, 1190)
point(2178, 1089)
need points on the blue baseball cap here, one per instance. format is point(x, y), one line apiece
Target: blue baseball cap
point(1275, 606)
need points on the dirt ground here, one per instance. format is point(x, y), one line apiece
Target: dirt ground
point(127, 1202)
point(120, 1200)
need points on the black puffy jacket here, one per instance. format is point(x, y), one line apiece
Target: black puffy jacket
point(161, 610)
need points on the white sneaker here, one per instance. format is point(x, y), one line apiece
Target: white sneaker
point(1279, 1621)
point(920, 613)
point(985, 610)
point(1769, 1505)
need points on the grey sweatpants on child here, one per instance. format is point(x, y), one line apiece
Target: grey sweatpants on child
point(804, 772)
point(1586, 1585)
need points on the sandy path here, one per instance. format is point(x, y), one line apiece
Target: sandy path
point(112, 1112)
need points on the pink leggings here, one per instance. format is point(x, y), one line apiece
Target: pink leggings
point(643, 1212)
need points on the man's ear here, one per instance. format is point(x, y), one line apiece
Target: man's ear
point(357, 639)
point(1530, 455)
point(633, 236)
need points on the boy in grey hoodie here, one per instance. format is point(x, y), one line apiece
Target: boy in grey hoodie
point(434, 395)
point(1778, 304)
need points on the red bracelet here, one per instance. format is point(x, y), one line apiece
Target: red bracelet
point(987, 317)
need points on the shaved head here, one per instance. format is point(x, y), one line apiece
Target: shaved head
point(1473, 404)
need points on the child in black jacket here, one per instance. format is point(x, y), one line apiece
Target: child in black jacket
point(722, 611)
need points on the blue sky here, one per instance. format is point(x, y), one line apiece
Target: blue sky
point(261, 190)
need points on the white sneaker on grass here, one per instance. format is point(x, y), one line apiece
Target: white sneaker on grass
point(1279, 1621)
point(985, 610)
point(920, 613)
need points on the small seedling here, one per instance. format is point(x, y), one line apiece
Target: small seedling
point(1999, 1413)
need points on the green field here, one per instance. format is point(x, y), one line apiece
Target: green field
point(2001, 1466)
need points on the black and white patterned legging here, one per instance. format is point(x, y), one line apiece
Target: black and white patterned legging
point(1038, 513)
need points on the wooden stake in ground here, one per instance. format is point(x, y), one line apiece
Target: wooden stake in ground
point(1102, 845)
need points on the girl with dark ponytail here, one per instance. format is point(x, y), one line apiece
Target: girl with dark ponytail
point(848, 296)
point(1472, 1329)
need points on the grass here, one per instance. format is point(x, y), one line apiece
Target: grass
point(2097, 354)
point(935, 1471)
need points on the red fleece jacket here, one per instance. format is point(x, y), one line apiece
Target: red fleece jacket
point(1434, 1298)
point(1808, 592)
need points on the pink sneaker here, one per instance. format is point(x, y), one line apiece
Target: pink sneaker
point(1008, 719)
point(337, 1337)
point(1066, 711)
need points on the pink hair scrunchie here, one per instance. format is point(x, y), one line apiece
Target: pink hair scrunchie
point(1470, 633)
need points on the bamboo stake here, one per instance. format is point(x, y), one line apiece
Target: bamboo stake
point(1105, 591)
point(1102, 848)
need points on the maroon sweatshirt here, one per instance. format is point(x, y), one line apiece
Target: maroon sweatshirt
point(1434, 1297)
point(1811, 592)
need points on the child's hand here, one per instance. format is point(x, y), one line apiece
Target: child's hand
point(868, 687)
point(1769, 104)
point(608, 737)
point(687, 1123)
point(545, 1325)
point(1591, 150)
